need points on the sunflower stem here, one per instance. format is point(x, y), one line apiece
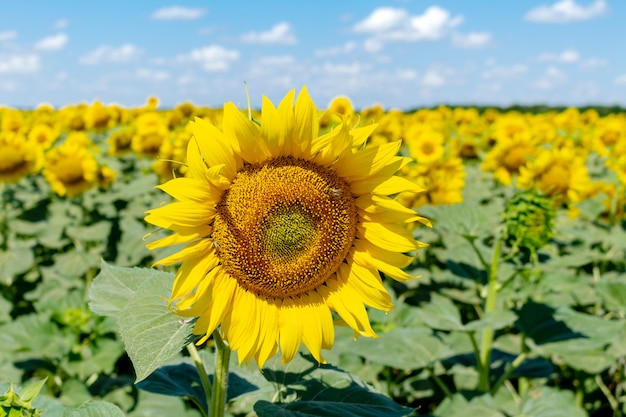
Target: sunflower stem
point(220, 377)
point(204, 377)
point(490, 305)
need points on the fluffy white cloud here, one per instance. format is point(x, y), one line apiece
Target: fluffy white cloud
point(496, 72)
point(551, 78)
point(19, 64)
point(621, 80)
point(567, 57)
point(565, 11)
point(392, 24)
point(178, 13)
point(213, 57)
point(593, 63)
point(52, 43)
point(7, 35)
point(471, 40)
point(336, 50)
point(433, 78)
point(152, 75)
point(280, 33)
point(105, 54)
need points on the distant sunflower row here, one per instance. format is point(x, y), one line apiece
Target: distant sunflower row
point(569, 155)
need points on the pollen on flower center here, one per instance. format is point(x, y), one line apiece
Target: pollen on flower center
point(284, 226)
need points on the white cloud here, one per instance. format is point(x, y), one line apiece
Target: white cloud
point(621, 80)
point(280, 33)
point(505, 72)
point(552, 78)
point(178, 13)
point(373, 45)
point(213, 57)
point(151, 75)
point(567, 57)
point(336, 50)
point(565, 11)
point(104, 54)
point(19, 64)
point(593, 63)
point(52, 43)
point(433, 78)
point(7, 35)
point(471, 40)
point(406, 74)
point(60, 24)
point(391, 24)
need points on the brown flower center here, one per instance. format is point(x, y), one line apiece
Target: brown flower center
point(284, 226)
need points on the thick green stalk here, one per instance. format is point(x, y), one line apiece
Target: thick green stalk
point(490, 305)
point(204, 377)
point(220, 377)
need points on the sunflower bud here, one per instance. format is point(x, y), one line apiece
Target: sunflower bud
point(528, 220)
point(12, 404)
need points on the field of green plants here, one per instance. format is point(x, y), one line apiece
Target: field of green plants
point(520, 309)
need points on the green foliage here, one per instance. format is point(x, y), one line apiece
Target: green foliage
point(80, 324)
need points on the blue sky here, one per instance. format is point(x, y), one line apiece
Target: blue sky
point(398, 53)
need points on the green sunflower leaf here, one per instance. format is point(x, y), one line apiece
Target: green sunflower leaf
point(152, 334)
point(94, 409)
point(310, 389)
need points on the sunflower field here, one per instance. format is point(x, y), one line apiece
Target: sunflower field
point(519, 308)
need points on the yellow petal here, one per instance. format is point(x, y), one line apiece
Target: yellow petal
point(183, 235)
point(390, 236)
point(362, 164)
point(190, 275)
point(189, 189)
point(244, 135)
point(290, 328)
point(200, 247)
point(371, 296)
point(306, 124)
point(220, 294)
point(181, 214)
point(214, 148)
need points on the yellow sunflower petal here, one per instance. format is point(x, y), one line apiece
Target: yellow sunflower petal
point(244, 134)
point(214, 147)
point(306, 124)
point(345, 301)
point(195, 249)
point(371, 296)
point(220, 294)
point(290, 329)
point(360, 134)
point(190, 275)
point(393, 237)
point(365, 163)
point(188, 189)
point(183, 235)
point(181, 214)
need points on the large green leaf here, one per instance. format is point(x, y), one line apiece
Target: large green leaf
point(152, 334)
point(114, 286)
point(441, 313)
point(400, 348)
point(94, 409)
point(465, 219)
point(310, 389)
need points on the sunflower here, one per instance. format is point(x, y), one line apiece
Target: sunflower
point(284, 227)
point(559, 172)
point(18, 157)
point(70, 169)
point(425, 144)
point(508, 155)
point(43, 135)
